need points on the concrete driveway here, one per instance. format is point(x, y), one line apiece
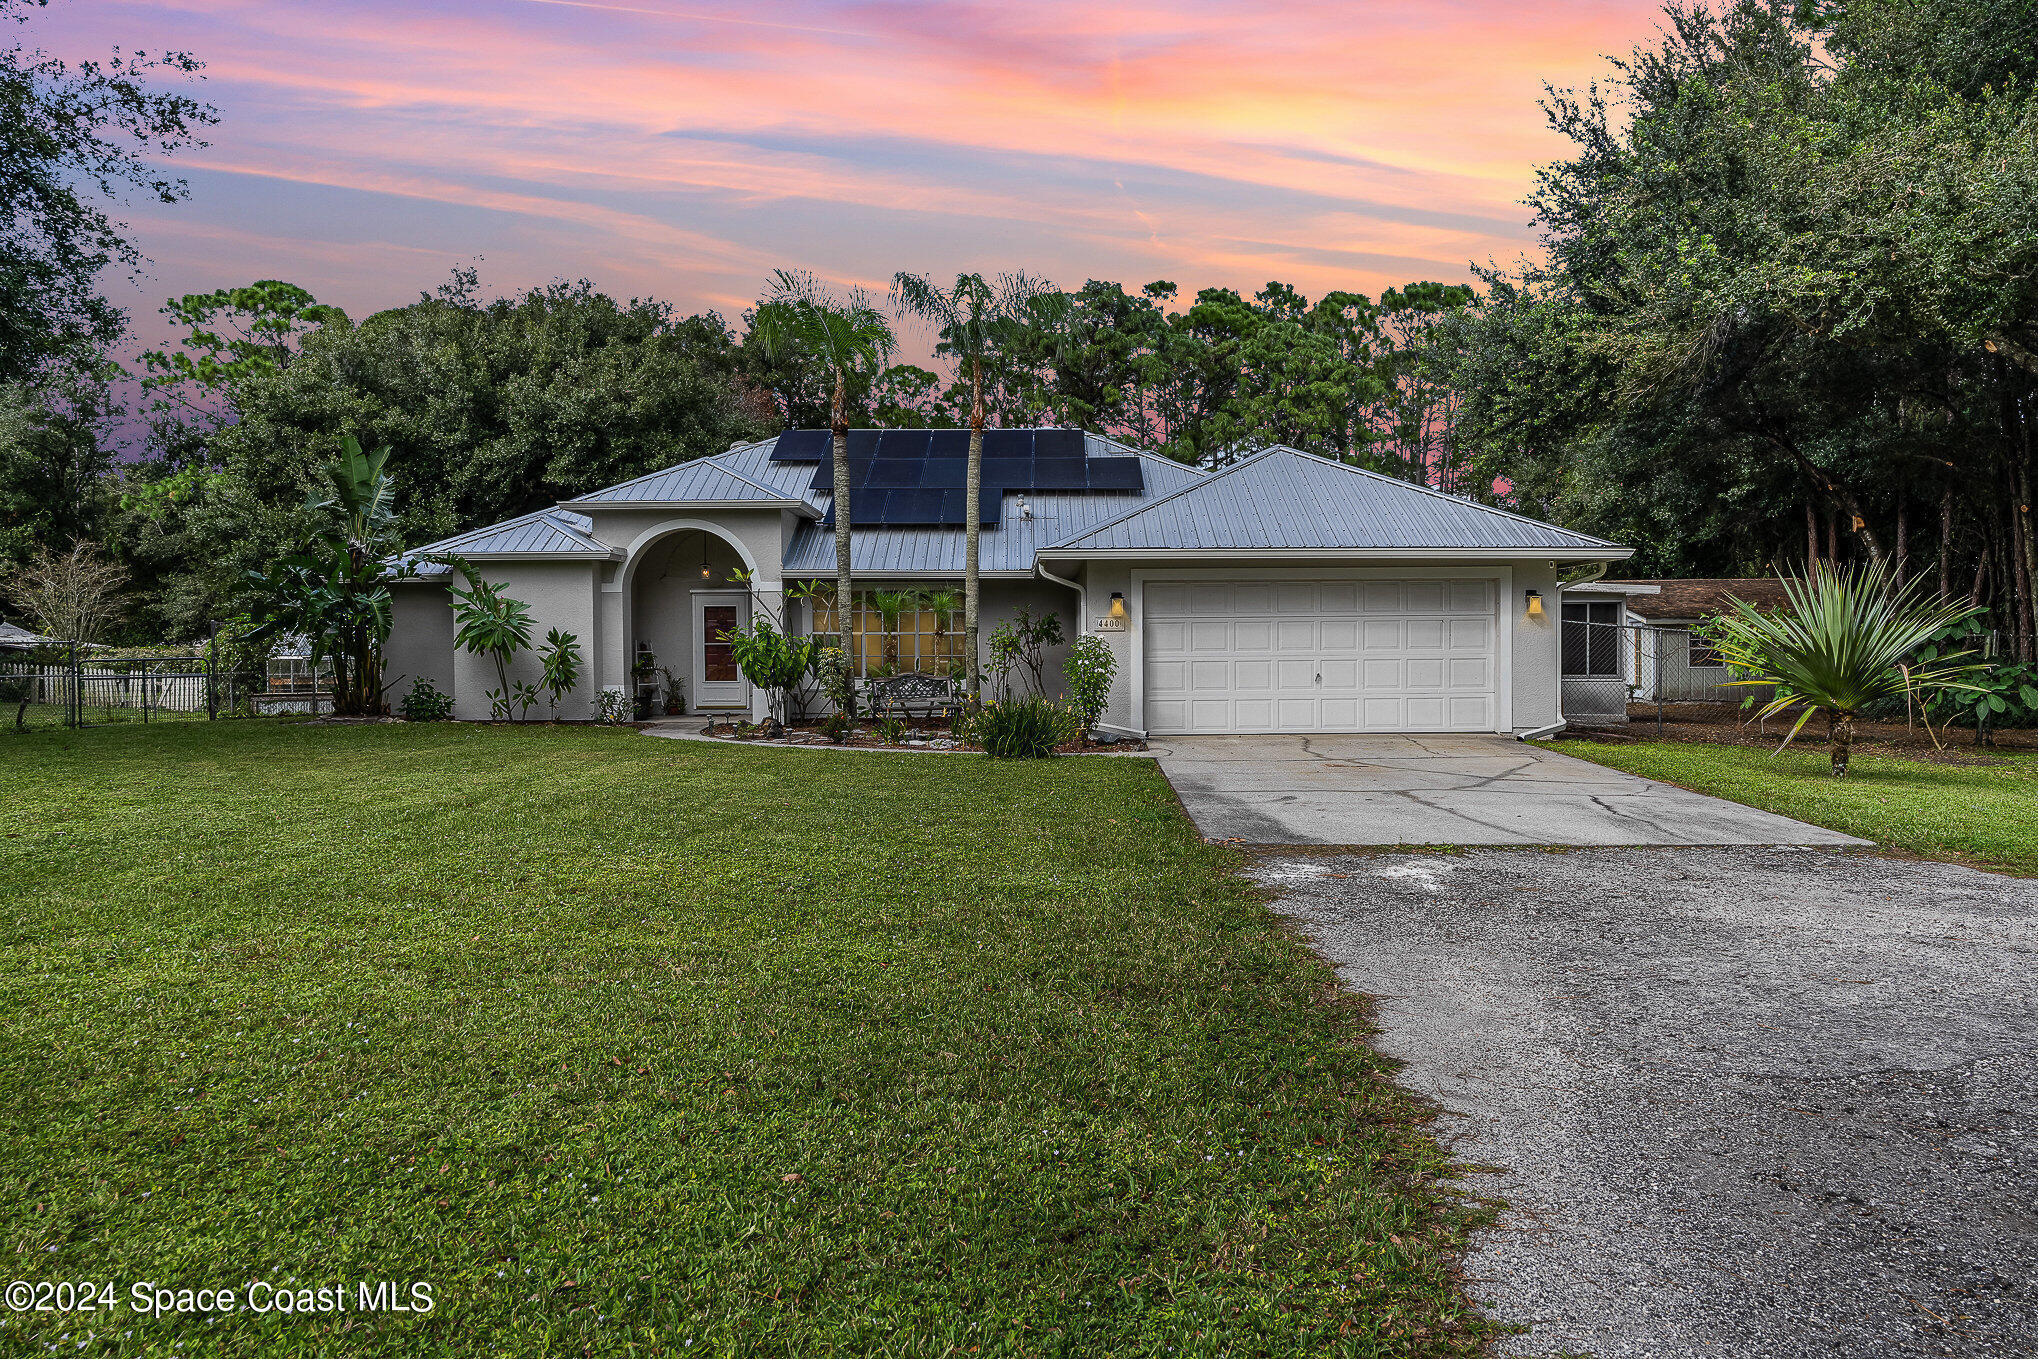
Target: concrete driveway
point(1445, 790)
point(1742, 1101)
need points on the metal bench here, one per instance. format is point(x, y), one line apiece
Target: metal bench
point(932, 695)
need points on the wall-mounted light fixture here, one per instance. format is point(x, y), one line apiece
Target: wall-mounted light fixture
point(1118, 604)
point(1535, 603)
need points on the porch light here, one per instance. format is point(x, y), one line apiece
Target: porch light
point(705, 573)
point(1535, 603)
point(1118, 604)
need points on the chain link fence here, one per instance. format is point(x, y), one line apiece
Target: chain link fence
point(1658, 679)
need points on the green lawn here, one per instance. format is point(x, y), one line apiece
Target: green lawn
point(1981, 814)
point(631, 1046)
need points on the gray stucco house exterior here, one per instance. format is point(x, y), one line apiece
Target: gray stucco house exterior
point(1281, 593)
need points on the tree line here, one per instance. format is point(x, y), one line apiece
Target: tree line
point(1783, 309)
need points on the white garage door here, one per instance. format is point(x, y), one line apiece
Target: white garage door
point(1383, 655)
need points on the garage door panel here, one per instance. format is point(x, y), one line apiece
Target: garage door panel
point(1426, 596)
point(1252, 599)
point(1471, 634)
point(1471, 672)
point(1302, 599)
point(1471, 596)
point(1379, 655)
point(1296, 714)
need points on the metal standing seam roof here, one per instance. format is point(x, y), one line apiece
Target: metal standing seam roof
point(708, 479)
point(542, 533)
point(1284, 499)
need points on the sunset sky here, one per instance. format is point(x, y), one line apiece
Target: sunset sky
point(682, 148)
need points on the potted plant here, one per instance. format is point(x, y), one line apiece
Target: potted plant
point(675, 693)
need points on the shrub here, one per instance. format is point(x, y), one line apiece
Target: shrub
point(612, 706)
point(1026, 729)
point(1090, 668)
point(424, 703)
point(771, 660)
point(833, 678)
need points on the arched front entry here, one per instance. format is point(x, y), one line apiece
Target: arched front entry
point(680, 598)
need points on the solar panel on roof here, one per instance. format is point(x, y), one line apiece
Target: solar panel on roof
point(800, 445)
point(905, 443)
point(913, 507)
point(1057, 443)
point(918, 477)
point(1005, 443)
point(893, 472)
point(1116, 474)
point(1059, 474)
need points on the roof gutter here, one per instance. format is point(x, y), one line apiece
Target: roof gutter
point(1358, 554)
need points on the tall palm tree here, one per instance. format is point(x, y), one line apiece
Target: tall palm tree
point(979, 321)
point(851, 338)
point(1843, 641)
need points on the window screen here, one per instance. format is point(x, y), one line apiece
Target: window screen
point(1592, 635)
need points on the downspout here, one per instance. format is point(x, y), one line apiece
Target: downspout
point(1081, 593)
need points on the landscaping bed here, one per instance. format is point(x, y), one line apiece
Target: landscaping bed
point(914, 735)
point(653, 1047)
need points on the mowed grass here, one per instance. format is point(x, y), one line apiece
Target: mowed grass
point(631, 1046)
point(1984, 814)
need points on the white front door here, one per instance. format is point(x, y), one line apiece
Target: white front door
point(718, 682)
point(1309, 656)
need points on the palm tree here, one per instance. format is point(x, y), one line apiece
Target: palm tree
point(1843, 642)
point(851, 338)
point(979, 321)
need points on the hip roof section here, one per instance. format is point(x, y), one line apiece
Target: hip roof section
point(1282, 499)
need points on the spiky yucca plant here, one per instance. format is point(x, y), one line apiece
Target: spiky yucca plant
point(1841, 643)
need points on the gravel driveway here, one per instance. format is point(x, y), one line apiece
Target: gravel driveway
point(1747, 1101)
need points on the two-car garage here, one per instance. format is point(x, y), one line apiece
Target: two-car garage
point(1351, 655)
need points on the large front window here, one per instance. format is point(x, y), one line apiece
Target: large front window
point(899, 632)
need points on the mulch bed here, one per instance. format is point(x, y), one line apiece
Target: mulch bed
point(911, 737)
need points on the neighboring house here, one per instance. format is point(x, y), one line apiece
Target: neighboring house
point(1283, 593)
point(13, 638)
point(1633, 641)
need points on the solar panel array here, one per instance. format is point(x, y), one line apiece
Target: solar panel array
point(920, 476)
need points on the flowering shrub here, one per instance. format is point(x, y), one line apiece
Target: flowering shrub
point(612, 706)
point(1090, 668)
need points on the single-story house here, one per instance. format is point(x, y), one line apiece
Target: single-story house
point(1282, 593)
point(1633, 641)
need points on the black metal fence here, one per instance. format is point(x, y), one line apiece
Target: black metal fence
point(75, 686)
